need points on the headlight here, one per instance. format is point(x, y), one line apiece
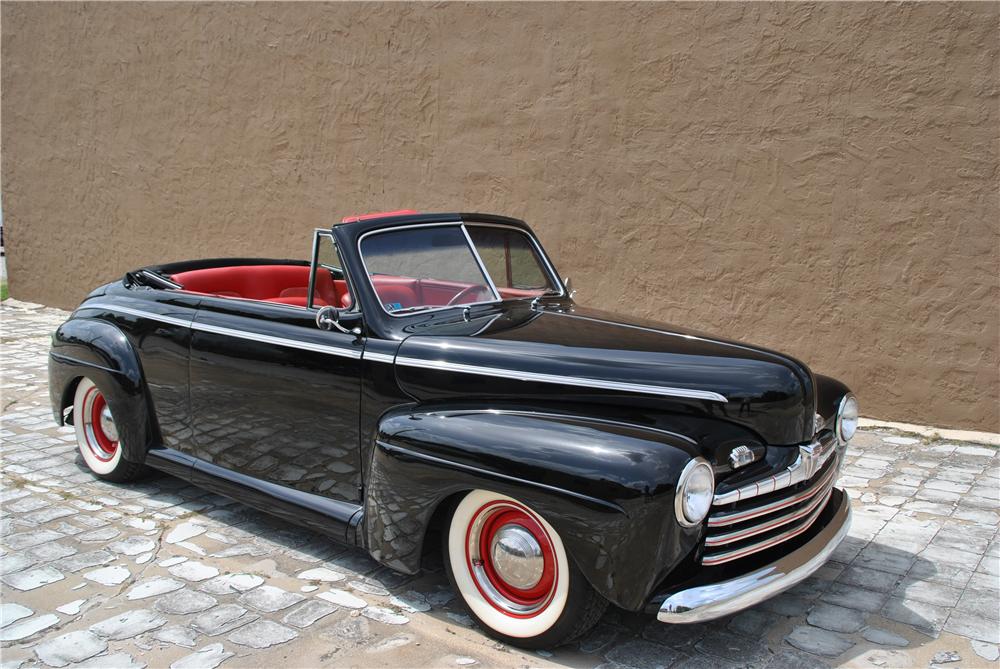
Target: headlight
point(695, 491)
point(847, 418)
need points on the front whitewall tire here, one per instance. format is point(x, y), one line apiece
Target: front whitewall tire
point(503, 623)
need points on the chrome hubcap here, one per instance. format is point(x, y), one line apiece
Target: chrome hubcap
point(517, 556)
point(512, 559)
point(108, 424)
point(100, 437)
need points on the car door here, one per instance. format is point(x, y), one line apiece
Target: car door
point(274, 396)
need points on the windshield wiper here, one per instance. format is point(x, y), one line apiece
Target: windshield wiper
point(412, 309)
point(426, 307)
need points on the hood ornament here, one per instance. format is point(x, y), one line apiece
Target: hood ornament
point(740, 456)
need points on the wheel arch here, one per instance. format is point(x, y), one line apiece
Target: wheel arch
point(606, 490)
point(66, 401)
point(85, 347)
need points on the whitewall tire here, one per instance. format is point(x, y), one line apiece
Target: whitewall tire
point(97, 435)
point(511, 571)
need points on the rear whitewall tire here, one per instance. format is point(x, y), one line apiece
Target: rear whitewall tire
point(105, 464)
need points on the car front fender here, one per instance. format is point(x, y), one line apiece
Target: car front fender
point(829, 393)
point(606, 487)
point(99, 350)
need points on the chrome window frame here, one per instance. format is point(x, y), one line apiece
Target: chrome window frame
point(319, 233)
point(548, 268)
point(546, 263)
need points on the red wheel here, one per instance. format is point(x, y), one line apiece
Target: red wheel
point(512, 559)
point(512, 572)
point(97, 435)
point(99, 427)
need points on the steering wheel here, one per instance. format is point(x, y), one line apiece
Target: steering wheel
point(462, 293)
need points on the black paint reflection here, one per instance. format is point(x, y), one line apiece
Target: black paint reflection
point(285, 415)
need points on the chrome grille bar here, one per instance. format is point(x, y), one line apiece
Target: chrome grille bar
point(720, 558)
point(733, 517)
point(809, 461)
point(732, 528)
point(775, 522)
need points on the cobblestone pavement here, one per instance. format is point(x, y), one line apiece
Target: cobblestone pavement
point(164, 574)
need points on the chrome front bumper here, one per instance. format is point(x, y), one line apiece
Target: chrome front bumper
point(714, 600)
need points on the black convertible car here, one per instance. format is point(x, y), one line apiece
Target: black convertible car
point(432, 371)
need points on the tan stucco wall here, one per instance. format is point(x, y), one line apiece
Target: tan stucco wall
point(818, 178)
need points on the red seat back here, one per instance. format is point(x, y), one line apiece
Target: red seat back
point(397, 292)
point(287, 284)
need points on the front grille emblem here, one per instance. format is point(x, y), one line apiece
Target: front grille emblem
point(740, 456)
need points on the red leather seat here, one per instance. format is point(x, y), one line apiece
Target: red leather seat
point(397, 292)
point(340, 289)
point(285, 284)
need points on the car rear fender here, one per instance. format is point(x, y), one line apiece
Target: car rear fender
point(99, 350)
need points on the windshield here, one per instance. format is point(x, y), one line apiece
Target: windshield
point(429, 267)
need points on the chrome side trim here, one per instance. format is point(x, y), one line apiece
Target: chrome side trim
point(277, 341)
point(170, 320)
point(539, 377)
point(378, 357)
point(390, 448)
point(545, 414)
point(229, 332)
point(809, 461)
point(715, 600)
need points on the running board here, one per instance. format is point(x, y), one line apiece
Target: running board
point(334, 518)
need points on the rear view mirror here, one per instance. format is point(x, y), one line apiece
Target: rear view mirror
point(328, 318)
point(568, 284)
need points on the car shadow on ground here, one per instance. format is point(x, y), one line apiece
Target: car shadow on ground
point(871, 600)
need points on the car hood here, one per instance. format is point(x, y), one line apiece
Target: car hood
point(562, 353)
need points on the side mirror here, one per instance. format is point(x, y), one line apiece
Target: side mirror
point(568, 284)
point(328, 318)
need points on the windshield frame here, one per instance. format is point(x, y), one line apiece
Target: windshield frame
point(546, 266)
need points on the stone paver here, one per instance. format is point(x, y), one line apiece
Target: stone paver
point(262, 634)
point(128, 625)
point(223, 619)
point(308, 613)
point(70, 648)
point(184, 602)
point(29, 626)
point(269, 599)
point(208, 657)
point(165, 574)
point(155, 586)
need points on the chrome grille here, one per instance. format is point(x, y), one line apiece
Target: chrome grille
point(762, 514)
